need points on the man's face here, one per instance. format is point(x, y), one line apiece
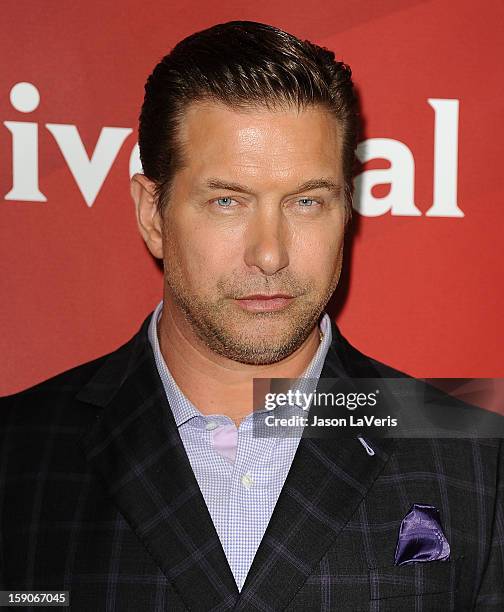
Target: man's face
point(239, 223)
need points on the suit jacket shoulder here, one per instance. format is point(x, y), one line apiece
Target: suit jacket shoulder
point(55, 396)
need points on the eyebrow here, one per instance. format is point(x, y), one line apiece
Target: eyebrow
point(320, 183)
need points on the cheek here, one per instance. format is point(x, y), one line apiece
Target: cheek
point(201, 252)
point(317, 253)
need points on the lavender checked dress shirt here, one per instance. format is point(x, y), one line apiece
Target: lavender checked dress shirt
point(240, 475)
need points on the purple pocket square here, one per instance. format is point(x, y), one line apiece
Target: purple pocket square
point(421, 537)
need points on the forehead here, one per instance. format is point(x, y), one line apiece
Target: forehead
point(283, 142)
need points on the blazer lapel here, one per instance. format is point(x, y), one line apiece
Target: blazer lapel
point(326, 483)
point(135, 447)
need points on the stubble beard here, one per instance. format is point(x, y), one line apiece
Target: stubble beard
point(250, 338)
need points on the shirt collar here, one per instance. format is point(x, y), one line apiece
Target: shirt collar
point(183, 409)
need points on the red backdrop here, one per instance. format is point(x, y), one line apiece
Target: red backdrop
point(423, 289)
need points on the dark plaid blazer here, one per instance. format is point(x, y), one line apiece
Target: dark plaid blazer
point(97, 497)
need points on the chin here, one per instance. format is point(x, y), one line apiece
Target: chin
point(261, 345)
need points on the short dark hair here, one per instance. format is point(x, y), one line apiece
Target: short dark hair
point(242, 64)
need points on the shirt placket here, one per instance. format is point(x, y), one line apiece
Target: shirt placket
point(248, 500)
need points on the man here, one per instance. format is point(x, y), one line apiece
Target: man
point(136, 482)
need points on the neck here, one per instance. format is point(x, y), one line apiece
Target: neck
point(213, 383)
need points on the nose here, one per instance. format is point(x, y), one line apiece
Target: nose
point(267, 241)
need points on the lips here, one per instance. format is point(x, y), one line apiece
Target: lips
point(261, 296)
point(265, 303)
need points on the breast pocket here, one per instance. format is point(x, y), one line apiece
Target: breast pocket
point(427, 586)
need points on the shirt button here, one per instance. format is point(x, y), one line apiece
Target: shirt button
point(247, 481)
point(212, 425)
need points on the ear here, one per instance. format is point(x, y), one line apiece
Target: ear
point(147, 216)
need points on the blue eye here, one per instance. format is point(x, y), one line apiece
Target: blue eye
point(307, 200)
point(224, 202)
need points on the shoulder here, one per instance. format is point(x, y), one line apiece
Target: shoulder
point(453, 426)
point(41, 426)
point(39, 403)
point(434, 397)
point(44, 423)
point(56, 399)
point(354, 363)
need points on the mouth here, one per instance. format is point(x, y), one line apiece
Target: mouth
point(264, 303)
